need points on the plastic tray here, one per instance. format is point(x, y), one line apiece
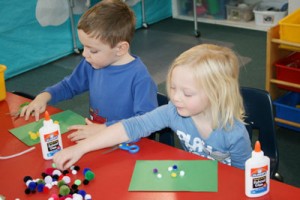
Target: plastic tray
point(289, 27)
point(288, 69)
point(286, 108)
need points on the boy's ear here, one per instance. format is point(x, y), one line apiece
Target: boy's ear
point(122, 48)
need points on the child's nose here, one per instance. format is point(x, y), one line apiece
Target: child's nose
point(85, 53)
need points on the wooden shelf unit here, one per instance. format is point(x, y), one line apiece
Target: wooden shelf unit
point(275, 51)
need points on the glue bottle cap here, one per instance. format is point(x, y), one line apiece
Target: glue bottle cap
point(257, 147)
point(47, 116)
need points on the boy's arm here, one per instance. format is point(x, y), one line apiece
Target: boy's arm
point(75, 83)
point(110, 136)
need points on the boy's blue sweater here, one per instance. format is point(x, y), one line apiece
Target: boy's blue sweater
point(116, 92)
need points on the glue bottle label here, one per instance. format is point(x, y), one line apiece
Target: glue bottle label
point(259, 178)
point(52, 142)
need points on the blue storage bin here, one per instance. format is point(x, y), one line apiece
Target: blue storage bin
point(287, 108)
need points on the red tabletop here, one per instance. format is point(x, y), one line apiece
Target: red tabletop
point(113, 170)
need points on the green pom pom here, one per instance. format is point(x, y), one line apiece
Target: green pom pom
point(64, 190)
point(61, 183)
point(89, 175)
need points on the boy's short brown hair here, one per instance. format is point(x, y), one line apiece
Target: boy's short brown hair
point(111, 21)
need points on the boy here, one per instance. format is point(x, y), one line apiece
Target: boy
point(119, 84)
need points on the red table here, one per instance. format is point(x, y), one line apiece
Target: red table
point(113, 171)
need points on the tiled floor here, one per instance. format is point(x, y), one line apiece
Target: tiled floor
point(158, 46)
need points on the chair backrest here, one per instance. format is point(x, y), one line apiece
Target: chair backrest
point(165, 135)
point(259, 117)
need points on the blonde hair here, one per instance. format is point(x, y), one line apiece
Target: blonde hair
point(216, 69)
point(111, 21)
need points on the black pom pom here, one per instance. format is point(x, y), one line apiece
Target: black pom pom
point(65, 172)
point(44, 175)
point(26, 178)
point(27, 191)
point(74, 187)
point(55, 177)
point(85, 182)
point(77, 168)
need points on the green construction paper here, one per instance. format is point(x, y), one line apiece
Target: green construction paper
point(200, 175)
point(65, 119)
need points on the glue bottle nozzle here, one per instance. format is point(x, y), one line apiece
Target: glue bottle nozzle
point(47, 116)
point(257, 147)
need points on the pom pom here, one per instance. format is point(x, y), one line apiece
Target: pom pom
point(61, 183)
point(40, 187)
point(27, 191)
point(88, 197)
point(85, 170)
point(85, 182)
point(26, 178)
point(32, 185)
point(77, 182)
point(66, 179)
point(77, 168)
point(64, 190)
point(65, 172)
point(82, 193)
point(49, 171)
point(74, 187)
point(89, 175)
point(55, 177)
point(48, 179)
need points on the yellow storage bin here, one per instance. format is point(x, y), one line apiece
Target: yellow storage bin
point(289, 27)
point(2, 83)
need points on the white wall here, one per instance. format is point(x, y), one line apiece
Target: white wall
point(293, 5)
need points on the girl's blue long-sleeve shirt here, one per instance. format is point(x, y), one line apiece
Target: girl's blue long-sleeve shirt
point(230, 147)
point(115, 92)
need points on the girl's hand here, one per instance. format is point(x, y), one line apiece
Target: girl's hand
point(84, 131)
point(65, 158)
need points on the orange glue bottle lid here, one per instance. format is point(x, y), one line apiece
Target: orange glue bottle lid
point(47, 116)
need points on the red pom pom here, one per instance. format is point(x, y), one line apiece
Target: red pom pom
point(49, 171)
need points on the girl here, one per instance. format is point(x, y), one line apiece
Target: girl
point(205, 111)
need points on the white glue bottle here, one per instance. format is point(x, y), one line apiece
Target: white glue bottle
point(257, 173)
point(50, 137)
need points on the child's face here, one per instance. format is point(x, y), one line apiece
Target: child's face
point(98, 54)
point(189, 99)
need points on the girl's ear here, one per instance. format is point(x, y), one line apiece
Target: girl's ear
point(122, 48)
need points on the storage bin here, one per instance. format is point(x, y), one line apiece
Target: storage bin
point(268, 13)
point(288, 69)
point(216, 8)
point(241, 12)
point(287, 108)
point(2, 83)
point(289, 27)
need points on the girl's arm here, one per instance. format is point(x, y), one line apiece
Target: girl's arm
point(110, 136)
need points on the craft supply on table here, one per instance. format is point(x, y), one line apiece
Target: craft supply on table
point(175, 175)
point(257, 173)
point(50, 137)
point(65, 119)
point(131, 148)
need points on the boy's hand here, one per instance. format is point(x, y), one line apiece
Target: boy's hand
point(84, 131)
point(37, 106)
